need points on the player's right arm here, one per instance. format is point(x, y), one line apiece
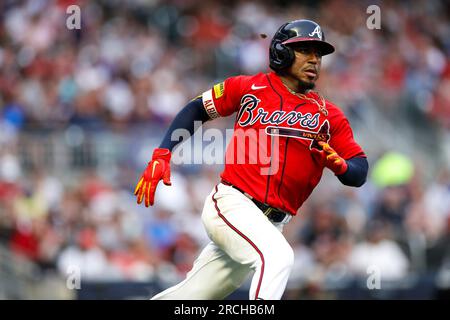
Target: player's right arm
point(211, 104)
point(185, 119)
point(159, 166)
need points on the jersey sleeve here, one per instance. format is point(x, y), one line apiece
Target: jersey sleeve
point(342, 139)
point(223, 99)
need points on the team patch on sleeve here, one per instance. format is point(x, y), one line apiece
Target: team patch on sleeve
point(219, 89)
point(208, 104)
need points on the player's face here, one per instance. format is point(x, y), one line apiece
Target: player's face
point(306, 67)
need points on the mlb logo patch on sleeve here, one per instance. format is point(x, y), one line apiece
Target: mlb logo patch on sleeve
point(219, 89)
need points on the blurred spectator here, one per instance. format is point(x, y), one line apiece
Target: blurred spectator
point(87, 257)
point(391, 207)
point(380, 253)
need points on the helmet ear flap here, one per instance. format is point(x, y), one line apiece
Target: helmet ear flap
point(281, 56)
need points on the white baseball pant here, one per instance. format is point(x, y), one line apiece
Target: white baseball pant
point(243, 240)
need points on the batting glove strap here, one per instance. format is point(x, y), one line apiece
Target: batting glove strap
point(336, 164)
point(161, 153)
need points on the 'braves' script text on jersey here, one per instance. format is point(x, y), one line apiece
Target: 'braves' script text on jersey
point(291, 126)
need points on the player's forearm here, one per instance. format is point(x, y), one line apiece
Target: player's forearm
point(356, 174)
point(185, 119)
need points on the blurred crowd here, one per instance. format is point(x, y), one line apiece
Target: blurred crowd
point(141, 60)
point(136, 63)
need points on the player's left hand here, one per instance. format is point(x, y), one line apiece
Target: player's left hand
point(157, 169)
point(330, 158)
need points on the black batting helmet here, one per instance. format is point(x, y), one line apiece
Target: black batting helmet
point(282, 56)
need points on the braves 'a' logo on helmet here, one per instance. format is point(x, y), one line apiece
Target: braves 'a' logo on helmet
point(316, 31)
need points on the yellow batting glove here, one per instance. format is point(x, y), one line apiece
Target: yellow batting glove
point(331, 159)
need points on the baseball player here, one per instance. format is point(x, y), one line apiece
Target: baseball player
point(245, 213)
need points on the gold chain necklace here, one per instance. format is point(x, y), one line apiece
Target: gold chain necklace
point(321, 105)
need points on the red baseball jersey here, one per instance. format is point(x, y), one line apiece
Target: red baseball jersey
point(269, 155)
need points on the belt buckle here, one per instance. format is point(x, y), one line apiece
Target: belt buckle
point(268, 211)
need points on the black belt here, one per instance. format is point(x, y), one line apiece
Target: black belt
point(273, 214)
